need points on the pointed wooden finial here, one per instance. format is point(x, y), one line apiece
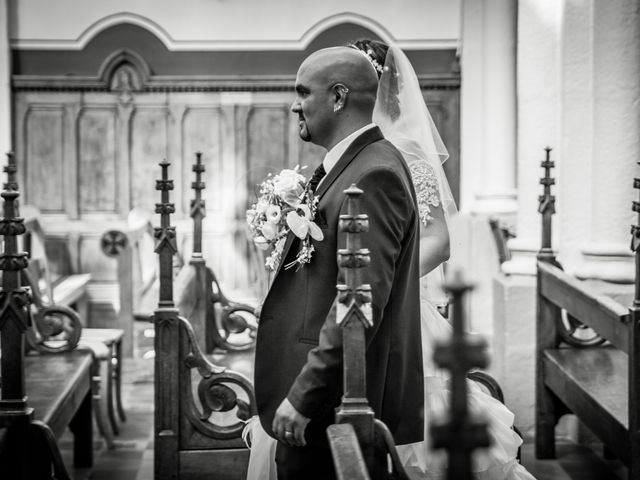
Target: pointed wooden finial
point(165, 236)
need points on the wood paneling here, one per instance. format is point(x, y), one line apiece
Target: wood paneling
point(44, 158)
point(86, 159)
point(97, 160)
point(148, 148)
point(267, 152)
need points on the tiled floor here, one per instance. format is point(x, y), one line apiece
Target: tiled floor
point(133, 457)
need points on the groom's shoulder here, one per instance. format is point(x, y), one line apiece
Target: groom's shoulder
point(383, 153)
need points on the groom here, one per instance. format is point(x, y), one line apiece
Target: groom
point(298, 366)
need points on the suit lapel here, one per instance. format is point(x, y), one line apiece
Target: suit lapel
point(368, 137)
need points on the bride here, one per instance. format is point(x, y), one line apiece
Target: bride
point(402, 115)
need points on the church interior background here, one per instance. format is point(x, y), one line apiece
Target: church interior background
point(93, 95)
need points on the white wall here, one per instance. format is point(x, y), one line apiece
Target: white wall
point(5, 88)
point(219, 24)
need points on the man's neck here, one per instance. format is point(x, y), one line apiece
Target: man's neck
point(344, 131)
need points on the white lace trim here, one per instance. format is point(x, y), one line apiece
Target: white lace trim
point(425, 182)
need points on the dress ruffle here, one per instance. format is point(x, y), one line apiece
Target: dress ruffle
point(497, 462)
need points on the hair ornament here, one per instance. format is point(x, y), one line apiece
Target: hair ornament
point(369, 55)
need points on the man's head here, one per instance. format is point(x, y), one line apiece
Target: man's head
point(335, 95)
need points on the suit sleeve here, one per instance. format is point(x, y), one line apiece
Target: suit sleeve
point(391, 212)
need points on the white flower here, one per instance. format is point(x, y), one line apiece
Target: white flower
point(302, 225)
point(289, 186)
point(273, 214)
point(262, 205)
point(269, 230)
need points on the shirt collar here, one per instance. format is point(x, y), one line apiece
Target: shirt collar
point(333, 155)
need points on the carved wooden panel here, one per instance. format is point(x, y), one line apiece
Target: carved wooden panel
point(45, 158)
point(148, 149)
point(267, 143)
point(97, 160)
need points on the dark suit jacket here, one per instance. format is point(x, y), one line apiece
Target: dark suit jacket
point(299, 345)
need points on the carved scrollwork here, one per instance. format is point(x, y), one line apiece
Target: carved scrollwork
point(165, 237)
point(577, 334)
point(216, 393)
point(13, 261)
point(113, 242)
point(238, 326)
point(56, 328)
point(12, 226)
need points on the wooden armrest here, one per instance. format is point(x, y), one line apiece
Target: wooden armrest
point(346, 452)
point(69, 289)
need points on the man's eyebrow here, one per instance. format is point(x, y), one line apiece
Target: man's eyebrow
point(301, 89)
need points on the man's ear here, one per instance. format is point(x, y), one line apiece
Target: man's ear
point(340, 91)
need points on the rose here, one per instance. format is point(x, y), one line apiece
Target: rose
point(289, 186)
point(269, 230)
point(273, 214)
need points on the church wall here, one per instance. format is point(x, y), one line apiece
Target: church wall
point(91, 125)
point(233, 25)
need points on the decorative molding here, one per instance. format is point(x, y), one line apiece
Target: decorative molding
point(229, 45)
point(195, 83)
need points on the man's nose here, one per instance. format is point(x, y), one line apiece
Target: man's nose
point(295, 106)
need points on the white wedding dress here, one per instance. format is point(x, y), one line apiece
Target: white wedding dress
point(498, 462)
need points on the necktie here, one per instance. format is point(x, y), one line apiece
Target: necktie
point(318, 175)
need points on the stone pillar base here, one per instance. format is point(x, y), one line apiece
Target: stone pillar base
point(514, 333)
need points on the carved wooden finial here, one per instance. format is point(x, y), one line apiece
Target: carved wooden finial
point(198, 209)
point(547, 207)
point(354, 296)
point(165, 236)
point(354, 316)
point(11, 170)
point(635, 241)
point(14, 299)
point(546, 200)
point(460, 434)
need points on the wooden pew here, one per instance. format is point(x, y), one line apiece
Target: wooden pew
point(192, 436)
point(64, 295)
point(580, 374)
point(132, 248)
point(227, 325)
point(40, 394)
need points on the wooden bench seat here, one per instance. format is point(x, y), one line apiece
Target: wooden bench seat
point(57, 385)
point(69, 290)
point(593, 382)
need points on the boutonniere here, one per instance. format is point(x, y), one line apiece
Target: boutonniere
point(284, 205)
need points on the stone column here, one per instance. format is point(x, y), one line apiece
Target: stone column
point(488, 106)
point(488, 139)
point(616, 146)
point(5, 82)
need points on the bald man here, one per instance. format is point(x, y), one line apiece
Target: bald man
point(298, 365)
